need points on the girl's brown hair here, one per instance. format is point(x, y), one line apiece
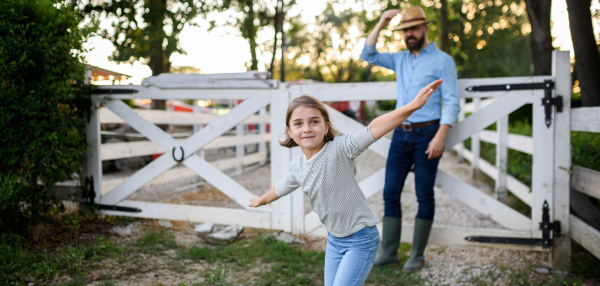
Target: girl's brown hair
point(308, 101)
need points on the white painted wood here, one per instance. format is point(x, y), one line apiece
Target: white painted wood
point(461, 117)
point(347, 125)
point(153, 92)
point(543, 163)
point(466, 82)
point(196, 214)
point(224, 183)
point(520, 190)
point(444, 235)
point(93, 159)
point(482, 203)
point(170, 78)
point(262, 131)
point(280, 157)
point(475, 142)
point(373, 184)
point(297, 205)
point(142, 126)
point(560, 206)
point(312, 222)
point(183, 173)
point(175, 118)
point(470, 107)
point(355, 91)
point(239, 149)
point(190, 145)
point(586, 181)
point(585, 235)
point(111, 151)
point(486, 116)
point(517, 142)
point(502, 159)
point(585, 210)
point(585, 119)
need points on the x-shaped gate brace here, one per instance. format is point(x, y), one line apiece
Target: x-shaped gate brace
point(547, 101)
point(187, 148)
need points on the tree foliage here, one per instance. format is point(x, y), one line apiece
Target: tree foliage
point(43, 109)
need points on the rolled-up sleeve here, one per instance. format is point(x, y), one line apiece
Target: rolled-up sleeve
point(450, 93)
point(370, 55)
point(286, 186)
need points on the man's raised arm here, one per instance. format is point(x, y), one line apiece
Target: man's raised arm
point(369, 53)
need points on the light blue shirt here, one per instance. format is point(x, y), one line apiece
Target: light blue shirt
point(412, 74)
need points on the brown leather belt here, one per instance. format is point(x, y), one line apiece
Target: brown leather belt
point(408, 126)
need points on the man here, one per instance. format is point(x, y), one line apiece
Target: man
point(419, 141)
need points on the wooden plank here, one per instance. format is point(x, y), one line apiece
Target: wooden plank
point(122, 150)
point(466, 82)
point(585, 235)
point(585, 209)
point(501, 159)
point(198, 214)
point(585, 119)
point(373, 184)
point(445, 235)
point(461, 117)
point(224, 183)
point(517, 142)
point(481, 202)
point(586, 181)
point(560, 207)
point(93, 161)
point(356, 91)
point(484, 118)
point(520, 190)
point(191, 145)
point(543, 163)
point(151, 131)
point(475, 143)
point(175, 118)
point(183, 173)
point(470, 107)
point(280, 156)
point(347, 125)
point(153, 92)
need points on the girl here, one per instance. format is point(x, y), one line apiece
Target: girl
point(326, 174)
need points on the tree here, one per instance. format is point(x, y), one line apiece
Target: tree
point(146, 30)
point(587, 58)
point(43, 109)
point(541, 38)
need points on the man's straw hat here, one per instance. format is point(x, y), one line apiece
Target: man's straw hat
point(412, 16)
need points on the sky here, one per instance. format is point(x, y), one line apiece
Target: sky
point(223, 51)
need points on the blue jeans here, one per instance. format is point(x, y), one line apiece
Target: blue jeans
point(409, 148)
point(348, 260)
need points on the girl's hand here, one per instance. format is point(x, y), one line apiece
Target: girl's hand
point(255, 202)
point(425, 93)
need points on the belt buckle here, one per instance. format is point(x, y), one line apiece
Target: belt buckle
point(407, 126)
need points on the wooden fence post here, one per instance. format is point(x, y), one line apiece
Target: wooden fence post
point(262, 129)
point(93, 158)
point(561, 253)
point(461, 117)
point(239, 149)
point(475, 142)
point(501, 158)
point(280, 157)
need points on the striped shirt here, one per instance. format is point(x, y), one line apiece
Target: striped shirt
point(329, 181)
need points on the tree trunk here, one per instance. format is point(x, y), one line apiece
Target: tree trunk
point(276, 28)
point(538, 12)
point(159, 64)
point(281, 17)
point(252, 36)
point(587, 58)
point(444, 41)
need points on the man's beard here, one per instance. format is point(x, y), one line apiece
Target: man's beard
point(416, 45)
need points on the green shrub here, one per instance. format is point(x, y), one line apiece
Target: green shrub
point(44, 105)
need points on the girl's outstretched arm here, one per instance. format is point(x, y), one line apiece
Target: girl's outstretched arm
point(269, 197)
point(385, 123)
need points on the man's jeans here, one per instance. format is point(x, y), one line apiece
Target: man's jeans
point(348, 260)
point(409, 148)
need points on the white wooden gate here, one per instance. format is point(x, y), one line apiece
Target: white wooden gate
point(256, 93)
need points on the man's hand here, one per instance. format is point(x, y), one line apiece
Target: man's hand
point(436, 145)
point(387, 16)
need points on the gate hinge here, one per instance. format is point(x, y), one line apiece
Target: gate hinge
point(91, 196)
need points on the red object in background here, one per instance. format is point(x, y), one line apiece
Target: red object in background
point(341, 106)
point(155, 156)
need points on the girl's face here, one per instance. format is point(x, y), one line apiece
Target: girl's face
point(308, 127)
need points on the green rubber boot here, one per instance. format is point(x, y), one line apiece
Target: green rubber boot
point(421, 236)
point(390, 241)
